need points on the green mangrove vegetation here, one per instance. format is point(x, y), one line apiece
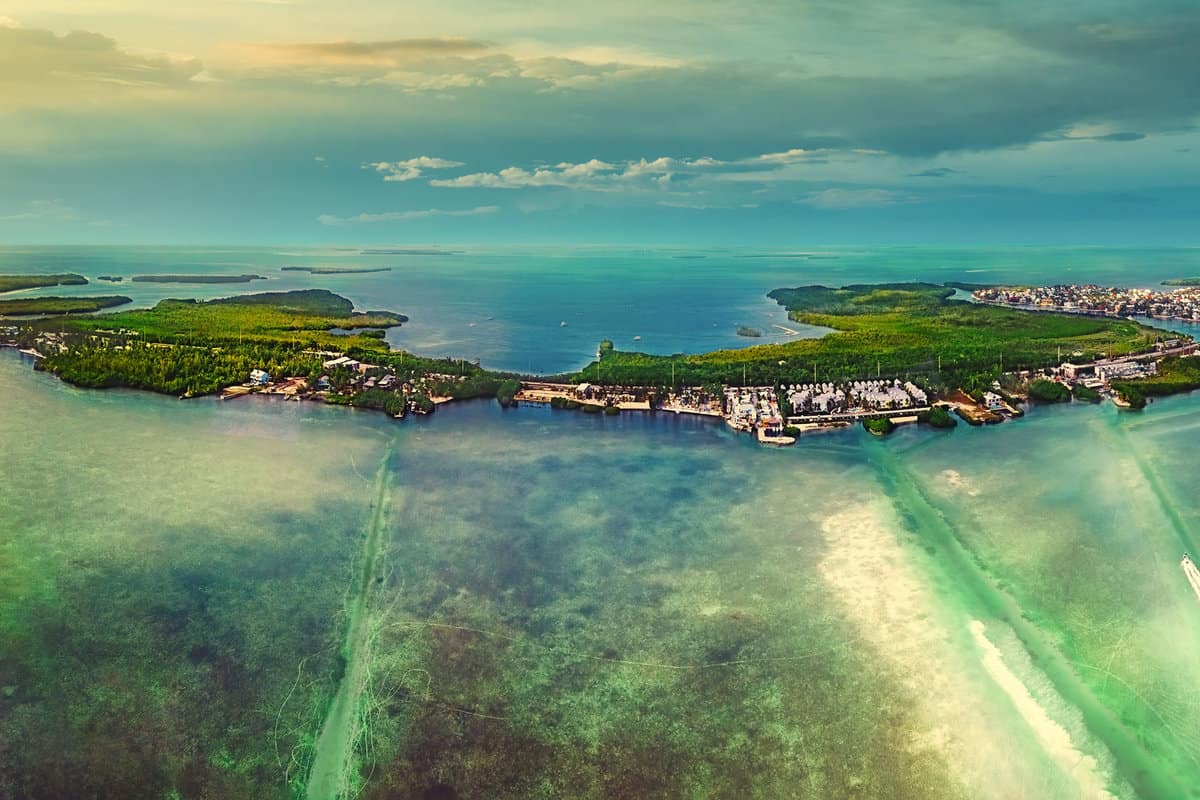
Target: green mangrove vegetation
point(939, 417)
point(1174, 375)
point(748, 332)
point(880, 426)
point(1181, 282)
point(189, 347)
point(60, 305)
point(909, 329)
point(11, 283)
point(1047, 391)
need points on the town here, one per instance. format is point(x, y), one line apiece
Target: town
point(1180, 304)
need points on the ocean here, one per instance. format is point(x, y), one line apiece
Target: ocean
point(535, 603)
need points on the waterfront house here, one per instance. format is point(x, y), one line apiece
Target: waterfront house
point(259, 377)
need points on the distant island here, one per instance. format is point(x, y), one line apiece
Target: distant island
point(1181, 282)
point(197, 278)
point(750, 333)
point(335, 270)
point(110, 278)
point(11, 283)
point(59, 305)
point(409, 251)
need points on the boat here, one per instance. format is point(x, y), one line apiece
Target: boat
point(29, 351)
point(562, 324)
point(637, 338)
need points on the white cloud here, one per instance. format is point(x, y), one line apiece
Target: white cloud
point(854, 198)
point(404, 216)
point(593, 175)
point(410, 169)
point(42, 210)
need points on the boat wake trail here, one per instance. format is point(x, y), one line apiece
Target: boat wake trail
point(1191, 573)
point(333, 774)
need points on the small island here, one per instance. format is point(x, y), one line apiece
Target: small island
point(749, 333)
point(12, 283)
point(1181, 282)
point(407, 251)
point(60, 305)
point(110, 278)
point(197, 278)
point(336, 270)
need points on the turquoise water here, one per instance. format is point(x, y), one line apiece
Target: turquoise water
point(268, 599)
point(505, 306)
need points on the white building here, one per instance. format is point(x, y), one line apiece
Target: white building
point(993, 401)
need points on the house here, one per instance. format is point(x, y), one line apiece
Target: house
point(341, 361)
point(259, 378)
point(993, 401)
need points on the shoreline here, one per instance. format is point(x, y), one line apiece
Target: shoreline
point(807, 429)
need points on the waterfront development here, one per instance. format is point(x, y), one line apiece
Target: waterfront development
point(1112, 301)
point(490, 601)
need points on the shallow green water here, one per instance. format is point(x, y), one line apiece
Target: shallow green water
point(205, 598)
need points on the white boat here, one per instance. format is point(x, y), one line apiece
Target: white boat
point(562, 324)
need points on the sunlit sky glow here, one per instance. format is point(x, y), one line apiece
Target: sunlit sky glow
point(767, 122)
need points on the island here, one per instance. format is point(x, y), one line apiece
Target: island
point(1181, 282)
point(12, 283)
point(750, 333)
point(408, 251)
point(197, 278)
point(110, 278)
point(59, 305)
point(336, 270)
point(898, 354)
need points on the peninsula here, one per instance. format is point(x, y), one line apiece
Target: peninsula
point(26, 306)
point(898, 353)
point(12, 283)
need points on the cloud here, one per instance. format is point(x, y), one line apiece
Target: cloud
point(48, 210)
point(841, 198)
point(594, 175)
point(386, 53)
point(410, 169)
point(37, 64)
point(935, 172)
point(405, 216)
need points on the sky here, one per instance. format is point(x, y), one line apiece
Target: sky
point(676, 123)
